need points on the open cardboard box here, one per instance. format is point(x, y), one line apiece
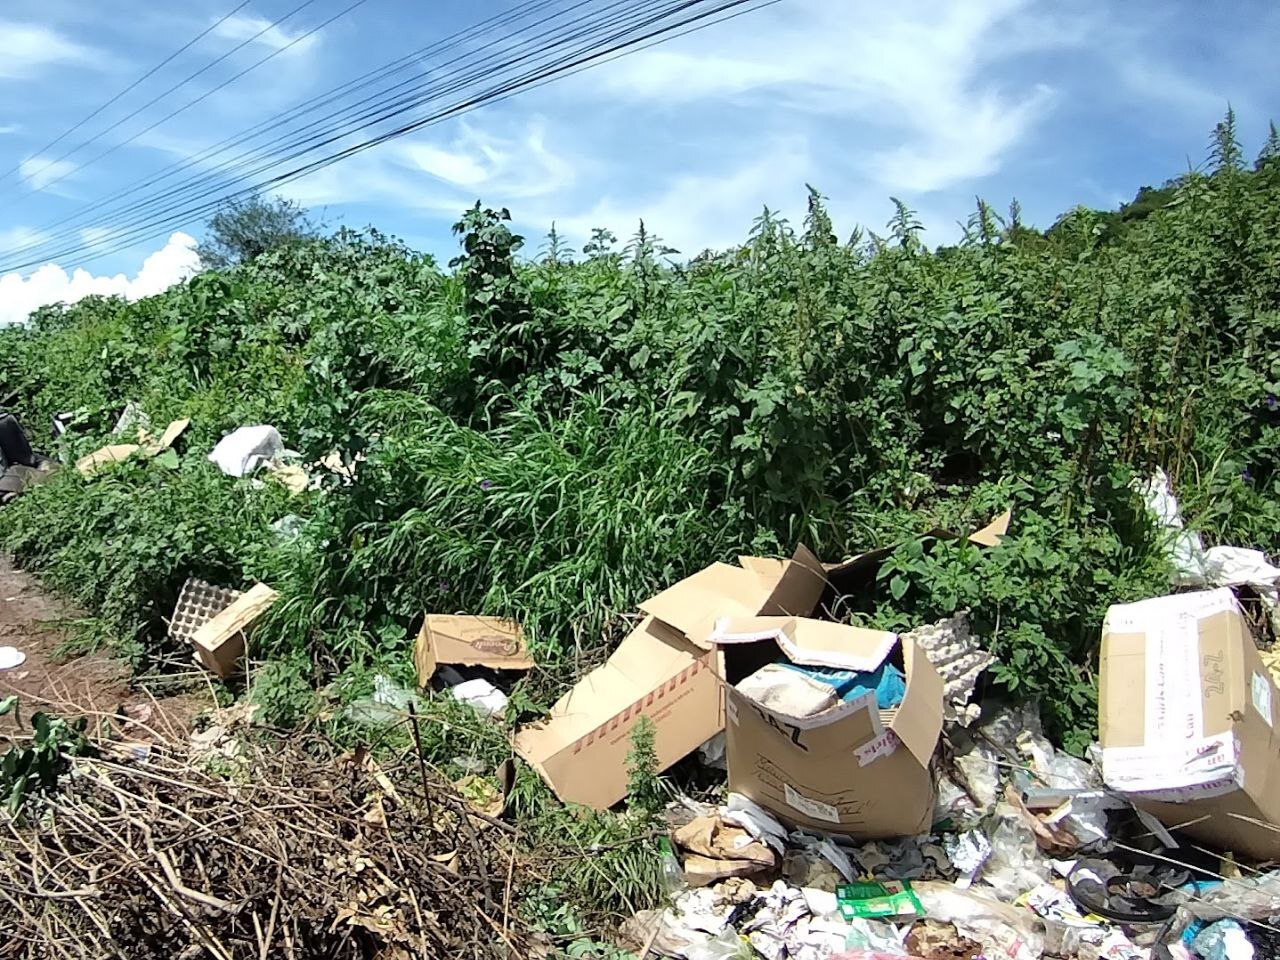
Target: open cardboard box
point(1187, 717)
point(671, 669)
point(220, 642)
point(854, 768)
point(666, 669)
point(468, 641)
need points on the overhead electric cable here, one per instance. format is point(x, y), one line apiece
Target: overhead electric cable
point(133, 86)
point(660, 26)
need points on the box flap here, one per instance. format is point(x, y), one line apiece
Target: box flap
point(692, 605)
point(918, 722)
point(991, 534)
point(581, 749)
point(646, 658)
point(172, 433)
point(768, 586)
point(469, 641)
point(811, 643)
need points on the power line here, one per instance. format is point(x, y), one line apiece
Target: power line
point(204, 96)
point(314, 140)
point(500, 92)
point(275, 122)
point(621, 42)
point(133, 86)
point(150, 103)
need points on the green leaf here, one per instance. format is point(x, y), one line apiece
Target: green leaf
point(168, 459)
point(898, 586)
point(8, 704)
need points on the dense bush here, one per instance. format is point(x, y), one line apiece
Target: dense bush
point(553, 439)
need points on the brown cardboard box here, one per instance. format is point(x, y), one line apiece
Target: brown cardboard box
point(666, 669)
point(853, 769)
point(1187, 719)
point(469, 641)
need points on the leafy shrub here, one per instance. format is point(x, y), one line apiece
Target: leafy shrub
point(552, 439)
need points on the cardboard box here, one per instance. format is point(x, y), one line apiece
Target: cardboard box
point(668, 670)
point(1187, 715)
point(853, 769)
point(468, 641)
point(220, 642)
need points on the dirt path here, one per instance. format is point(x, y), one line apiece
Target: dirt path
point(96, 684)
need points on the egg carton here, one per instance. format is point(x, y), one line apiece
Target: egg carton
point(958, 657)
point(198, 603)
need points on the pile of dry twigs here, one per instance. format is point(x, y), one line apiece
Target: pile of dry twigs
point(276, 847)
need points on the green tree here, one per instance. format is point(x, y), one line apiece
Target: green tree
point(245, 229)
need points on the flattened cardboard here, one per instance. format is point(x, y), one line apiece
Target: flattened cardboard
point(469, 641)
point(1187, 719)
point(657, 673)
point(221, 642)
point(857, 573)
point(118, 452)
point(112, 453)
point(854, 769)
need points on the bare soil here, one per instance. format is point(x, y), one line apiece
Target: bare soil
point(96, 685)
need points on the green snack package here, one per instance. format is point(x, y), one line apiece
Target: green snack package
point(870, 900)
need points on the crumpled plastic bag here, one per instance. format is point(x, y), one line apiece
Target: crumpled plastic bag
point(1005, 932)
point(1224, 940)
point(1016, 864)
point(1194, 566)
point(242, 451)
point(754, 819)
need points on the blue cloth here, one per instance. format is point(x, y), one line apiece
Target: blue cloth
point(886, 680)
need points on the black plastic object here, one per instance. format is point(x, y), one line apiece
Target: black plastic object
point(15, 449)
point(1127, 887)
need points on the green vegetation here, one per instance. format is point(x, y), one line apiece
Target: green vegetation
point(554, 438)
point(36, 764)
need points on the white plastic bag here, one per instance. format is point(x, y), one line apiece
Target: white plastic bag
point(242, 451)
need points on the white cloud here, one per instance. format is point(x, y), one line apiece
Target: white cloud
point(243, 27)
point(95, 236)
point(26, 48)
point(506, 166)
point(8, 128)
point(917, 74)
point(39, 172)
point(20, 295)
point(952, 153)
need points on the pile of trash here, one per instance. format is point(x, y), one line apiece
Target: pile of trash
point(874, 809)
point(1030, 854)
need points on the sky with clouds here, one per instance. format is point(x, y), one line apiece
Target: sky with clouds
point(1054, 102)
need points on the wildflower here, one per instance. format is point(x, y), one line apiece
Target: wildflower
point(1272, 402)
point(486, 484)
point(1246, 475)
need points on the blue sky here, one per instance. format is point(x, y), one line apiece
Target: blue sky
point(1055, 103)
